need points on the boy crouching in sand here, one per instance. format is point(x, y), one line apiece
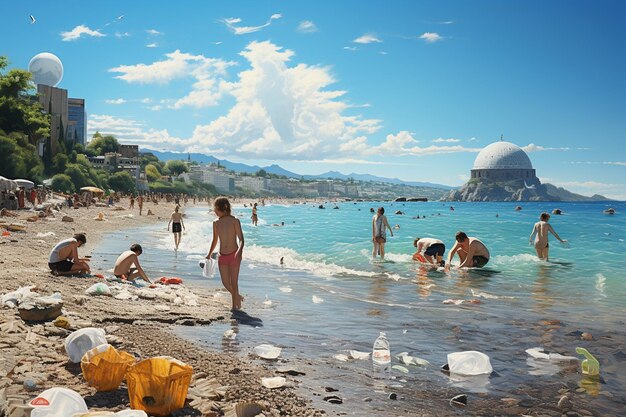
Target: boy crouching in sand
point(127, 264)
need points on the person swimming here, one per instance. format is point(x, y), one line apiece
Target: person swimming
point(540, 232)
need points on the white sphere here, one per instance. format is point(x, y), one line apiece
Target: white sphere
point(502, 155)
point(46, 68)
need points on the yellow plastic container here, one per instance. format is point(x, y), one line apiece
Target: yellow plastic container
point(590, 366)
point(158, 385)
point(104, 367)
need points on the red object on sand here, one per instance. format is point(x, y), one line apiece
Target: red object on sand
point(170, 281)
point(99, 276)
point(6, 233)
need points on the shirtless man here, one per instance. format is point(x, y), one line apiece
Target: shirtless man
point(176, 221)
point(431, 247)
point(472, 252)
point(124, 265)
point(540, 231)
point(64, 258)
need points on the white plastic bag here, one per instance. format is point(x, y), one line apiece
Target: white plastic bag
point(81, 341)
point(57, 402)
point(469, 362)
point(208, 267)
point(99, 289)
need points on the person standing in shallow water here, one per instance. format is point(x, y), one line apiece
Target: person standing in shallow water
point(379, 235)
point(227, 229)
point(255, 217)
point(540, 232)
point(176, 221)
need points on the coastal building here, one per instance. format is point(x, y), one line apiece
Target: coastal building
point(114, 162)
point(77, 121)
point(54, 102)
point(503, 161)
point(502, 171)
point(256, 184)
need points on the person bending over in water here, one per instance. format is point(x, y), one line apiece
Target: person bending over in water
point(379, 236)
point(176, 221)
point(540, 232)
point(64, 258)
point(227, 229)
point(127, 264)
point(472, 252)
point(431, 247)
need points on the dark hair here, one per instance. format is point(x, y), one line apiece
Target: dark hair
point(382, 210)
point(415, 241)
point(136, 247)
point(460, 236)
point(80, 237)
point(222, 204)
point(544, 216)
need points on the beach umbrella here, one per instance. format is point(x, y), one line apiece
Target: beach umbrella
point(94, 190)
point(7, 184)
point(25, 183)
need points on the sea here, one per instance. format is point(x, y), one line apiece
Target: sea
point(312, 288)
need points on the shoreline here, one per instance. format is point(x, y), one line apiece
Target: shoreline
point(35, 352)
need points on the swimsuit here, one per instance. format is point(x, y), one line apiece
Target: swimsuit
point(61, 266)
point(479, 261)
point(229, 259)
point(176, 228)
point(435, 249)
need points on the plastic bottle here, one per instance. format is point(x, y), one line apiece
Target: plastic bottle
point(57, 402)
point(590, 366)
point(381, 355)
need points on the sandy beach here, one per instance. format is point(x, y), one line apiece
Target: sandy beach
point(35, 352)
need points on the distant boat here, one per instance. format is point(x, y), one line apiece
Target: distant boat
point(530, 187)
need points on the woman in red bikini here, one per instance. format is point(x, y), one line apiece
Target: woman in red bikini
point(228, 230)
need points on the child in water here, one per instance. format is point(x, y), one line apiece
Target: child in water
point(540, 231)
point(228, 230)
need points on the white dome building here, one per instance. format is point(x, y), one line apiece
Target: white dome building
point(503, 161)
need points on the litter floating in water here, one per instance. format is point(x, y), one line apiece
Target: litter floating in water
point(267, 351)
point(230, 334)
point(590, 366)
point(341, 357)
point(400, 368)
point(317, 300)
point(355, 354)
point(285, 289)
point(412, 360)
point(273, 382)
point(469, 363)
point(541, 353)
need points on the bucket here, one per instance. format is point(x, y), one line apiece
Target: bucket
point(104, 367)
point(158, 385)
point(83, 340)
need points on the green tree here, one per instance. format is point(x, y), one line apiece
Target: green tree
point(122, 181)
point(261, 173)
point(62, 183)
point(152, 173)
point(18, 158)
point(59, 162)
point(146, 158)
point(78, 175)
point(176, 167)
point(20, 111)
point(103, 144)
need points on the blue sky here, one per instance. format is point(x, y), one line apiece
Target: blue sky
point(409, 89)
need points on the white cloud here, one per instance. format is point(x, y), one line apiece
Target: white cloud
point(442, 140)
point(129, 131)
point(78, 31)
point(383, 53)
point(153, 32)
point(243, 30)
point(306, 26)
point(343, 161)
point(473, 139)
point(350, 48)
point(623, 164)
point(152, 45)
point(431, 37)
point(156, 107)
point(281, 112)
point(531, 147)
point(122, 34)
point(404, 144)
point(367, 38)
point(115, 101)
point(177, 65)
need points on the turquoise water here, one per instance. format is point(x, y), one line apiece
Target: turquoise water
point(329, 297)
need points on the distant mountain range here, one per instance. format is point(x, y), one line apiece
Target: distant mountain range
point(278, 170)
